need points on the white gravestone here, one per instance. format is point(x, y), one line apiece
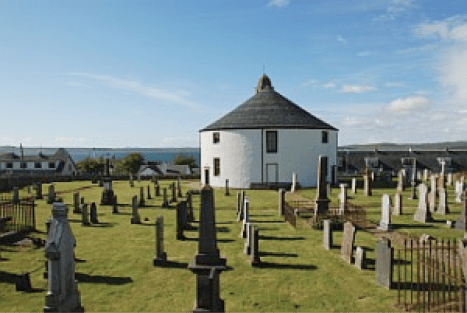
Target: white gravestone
point(385, 222)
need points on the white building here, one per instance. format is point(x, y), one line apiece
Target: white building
point(264, 141)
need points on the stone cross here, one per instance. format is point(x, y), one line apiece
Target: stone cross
point(360, 258)
point(461, 222)
point(354, 185)
point(422, 214)
point(348, 240)
point(135, 218)
point(227, 193)
point(51, 194)
point(254, 255)
point(141, 197)
point(76, 203)
point(281, 201)
point(246, 217)
point(161, 256)
point(93, 213)
point(327, 232)
point(294, 182)
point(84, 214)
point(343, 198)
point(165, 201)
point(443, 208)
point(63, 294)
point(385, 222)
point(384, 259)
point(367, 184)
point(397, 210)
point(149, 192)
point(322, 201)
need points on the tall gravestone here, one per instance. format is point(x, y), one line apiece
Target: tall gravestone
point(397, 210)
point(443, 208)
point(385, 222)
point(461, 222)
point(432, 195)
point(179, 187)
point(459, 190)
point(384, 259)
point(367, 184)
point(227, 191)
point(348, 240)
point(115, 205)
point(327, 234)
point(157, 190)
point(322, 201)
point(149, 192)
point(181, 220)
point(247, 246)
point(76, 203)
point(207, 263)
point(63, 294)
point(174, 193)
point(449, 182)
point(281, 201)
point(51, 194)
point(84, 214)
point(189, 203)
point(246, 217)
point(294, 182)
point(343, 198)
point(360, 258)
point(93, 213)
point(135, 218)
point(400, 182)
point(15, 195)
point(255, 260)
point(141, 197)
point(38, 187)
point(413, 194)
point(425, 174)
point(165, 200)
point(161, 256)
point(107, 193)
point(354, 185)
point(238, 202)
point(423, 213)
point(242, 202)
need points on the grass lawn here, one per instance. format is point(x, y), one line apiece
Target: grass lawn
point(115, 270)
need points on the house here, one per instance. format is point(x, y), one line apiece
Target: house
point(264, 141)
point(59, 163)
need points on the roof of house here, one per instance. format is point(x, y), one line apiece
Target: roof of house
point(60, 155)
point(268, 109)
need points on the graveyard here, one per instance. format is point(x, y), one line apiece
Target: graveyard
point(115, 254)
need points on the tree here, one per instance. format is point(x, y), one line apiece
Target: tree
point(185, 160)
point(92, 166)
point(131, 163)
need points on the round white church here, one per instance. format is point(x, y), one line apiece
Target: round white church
point(264, 141)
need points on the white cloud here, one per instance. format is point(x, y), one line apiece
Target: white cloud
point(439, 29)
point(278, 3)
point(356, 88)
point(459, 33)
point(341, 39)
point(139, 88)
point(395, 8)
point(409, 104)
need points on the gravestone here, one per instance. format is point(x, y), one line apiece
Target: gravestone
point(135, 218)
point(348, 240)
point(432, 195)
point(246, 217)
point(63, 294)
point(161, 256)
point(461, 222)
point(115, 205)
point(281, 201)
point(441, 181)
point(181, 220)
point(38, 187)
point(141, 197)
point(247, 246)
point(189, 203)
point(165, 201)
point(51, 194)
point(425, 174)
point(322, 201)
point(443, 208)
point(294, 183)
point(385, 222)
point(413, 194)
point(459, 190)
point(179, 187)
point(238, 202)
point(343, 198)
point(15, 195)
point(158, 191)
point(327, 232)
point(132, 183)
point(422, 214)
point(81, 199)
point(174, 193)
point(107, 193)
point(76, 203)
point(207, 264)
point(354, 185)
point(397, 210)
point(384, 259)
point(227, 191)
point(449, 182)
point(254, 255)
point(84, 215)
point(400, 182)
point(360, 258)
point(242, 202)
point(149, 192)
point(367, 184)
point(93, 213)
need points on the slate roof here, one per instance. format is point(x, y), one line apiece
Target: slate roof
point(268, 109)
point(59, 155)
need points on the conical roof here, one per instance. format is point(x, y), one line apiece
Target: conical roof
point(268, 109)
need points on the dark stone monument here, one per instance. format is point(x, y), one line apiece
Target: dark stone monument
point(181, 220)
point(76, 203)
point(207, 264)
point(115, 205)
point(157, 190)
point(141, 197)
point(149, 192)
point(189, 202)
point(161, 256)
point(322, 201)
point(227, 192)
point(327, 232)
point(348, 240)
point(179, 188)
point(246, 217)
point(247, 246)
point(174, 194)
point(135, 218)
point(413, 194)
point(51, 194)
point(93, 213)
point(384, 258)
point(165, 201)
point(15, 195)
point(281, 201)
point(84, 214)
point(23, 282)
point(107, 194)
point(461, 222)
point(38, 187)
point(254, 255)
point(242, 204)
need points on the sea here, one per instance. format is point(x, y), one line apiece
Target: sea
point(167, 155)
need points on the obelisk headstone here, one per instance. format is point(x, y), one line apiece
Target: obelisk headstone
point(161, 256)
point(322, 201)
point(135, 218)
point(397, 210)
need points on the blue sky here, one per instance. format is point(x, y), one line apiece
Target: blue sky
point(152, 73)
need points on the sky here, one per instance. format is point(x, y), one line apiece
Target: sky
point(151, 74)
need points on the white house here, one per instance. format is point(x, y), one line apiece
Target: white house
point(264, 141)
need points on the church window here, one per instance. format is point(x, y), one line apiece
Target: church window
point(217, 166)
point(215, 137)
point(271, 141)
point(324, 137)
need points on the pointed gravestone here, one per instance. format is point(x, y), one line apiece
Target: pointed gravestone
point(246, 217)
point(385, 222)
point(93, 213)
point(165, 200)
point(161, 256)
point(461, 222)
point(207, 264)
point(135, 218)
point(322, 201)
point(397, 210)
point(63, 294)
point(76, 203)
point(348, 240)
point(327, 234)
point(422, 214)
point(443, 208)
point(354, 185)
point(254, 255)
point(84, 214)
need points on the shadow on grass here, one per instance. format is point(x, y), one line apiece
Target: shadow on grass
point(224, 223)
point(261, 215)
point(265, 222)
point(8, 278)
point(279, 254)
point(78, 260)
point(399, 226)
point(103, 225)
point(267, 228)
point(99, 279)
point(287, 266)
point(280, 238)
point(218, 240)
point(172, 264)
